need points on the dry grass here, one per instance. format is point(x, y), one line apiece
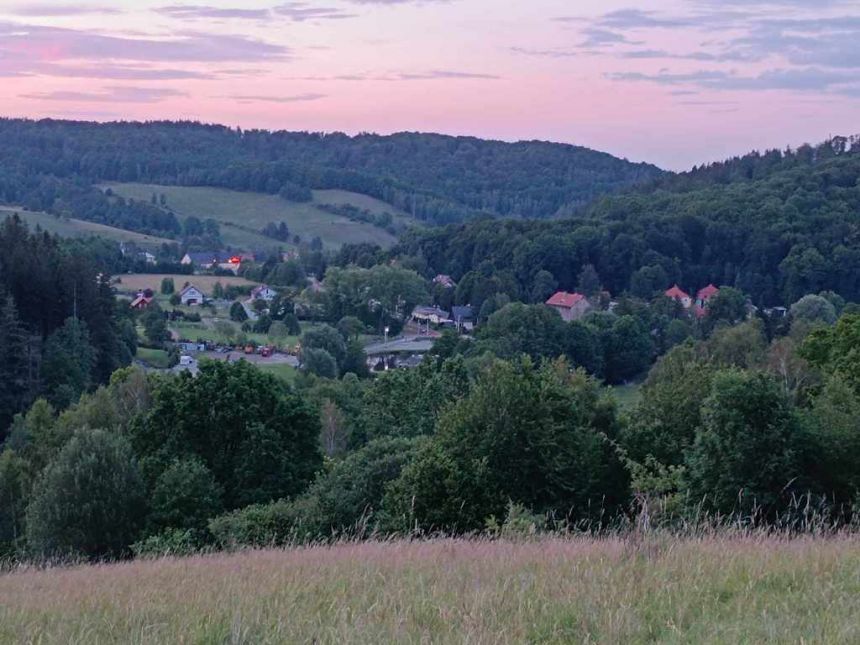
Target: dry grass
point(132, 282)
point(714, 590)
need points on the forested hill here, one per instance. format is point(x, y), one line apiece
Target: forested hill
point(437, 178)
point(776, 226)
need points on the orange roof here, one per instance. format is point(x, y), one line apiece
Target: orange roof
point(706, 293)
point(677, 293)
point(565, 299)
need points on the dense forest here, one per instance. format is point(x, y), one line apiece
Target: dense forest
point(52, 165)
point(61, 331)
point(776, 226)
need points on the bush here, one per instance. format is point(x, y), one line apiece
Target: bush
point(169, 542)
point(258, 525)
point(319, 362)
point(89, 500)
point(237, 312)
point(185, 496)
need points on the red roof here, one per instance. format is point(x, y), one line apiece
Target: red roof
point(565, 299)
point(706, 293)
point(677, 293)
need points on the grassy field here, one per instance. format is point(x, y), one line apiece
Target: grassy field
point(133, 282)
point(282, 370)
point(68, 227)
point(252, 211)
point(157, 358)
point(713, 590)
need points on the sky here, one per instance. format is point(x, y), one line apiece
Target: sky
point(671, 82)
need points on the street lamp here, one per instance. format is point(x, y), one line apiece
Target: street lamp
point(386, 333)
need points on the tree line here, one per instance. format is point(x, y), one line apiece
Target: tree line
point(787, 229)
point(435, 178)
point(760, 430)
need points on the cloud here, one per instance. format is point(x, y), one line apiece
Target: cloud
point(443, 74)
point(637, 19)
point(206, 11)
point(24, 67)
point(595, 37)
point(58, 10)
point(792, 79)
point(299, 98)
point(829, 42)
point(296, 11)
point(431, 75)
point(302, 11)
point(546, 53)
point(118, 94)
point(53, 43)
point(810, 4)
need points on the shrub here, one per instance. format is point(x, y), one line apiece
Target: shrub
point(185, 496)
point(89, 500)
point(169, 542)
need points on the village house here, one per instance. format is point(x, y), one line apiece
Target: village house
point(444, 281)
point(434, 315)
point(191, 295)
point(705, 294)
point(463, 317)
point(679, 295)
point(263, 292)
point(141, 300)
point(210, 260)
point(571, 306)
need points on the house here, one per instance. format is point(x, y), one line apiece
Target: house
point(435, 315)
point(705, 294)
point(263, 292)
point(571, 306)
point(141, 301)
point(679, 295)
point(444, 281)
point(463, 317)
point(191, 295)
point(213, 260)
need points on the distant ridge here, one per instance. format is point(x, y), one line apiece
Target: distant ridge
point(436, 178)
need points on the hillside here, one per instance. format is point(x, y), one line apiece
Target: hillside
point(546, 591)
point(243, 215)
point(778, 230)
point(70, 227)
point(435, 178)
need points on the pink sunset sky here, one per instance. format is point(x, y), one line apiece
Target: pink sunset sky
point(674, 83)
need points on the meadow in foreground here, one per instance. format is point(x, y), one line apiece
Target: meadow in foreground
point(710, 590)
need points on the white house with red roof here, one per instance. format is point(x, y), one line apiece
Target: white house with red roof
point(571, 306)
point(678, 294)
point(705, 294)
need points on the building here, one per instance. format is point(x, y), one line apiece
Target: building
point(679, 295)
point(141, 301)
point(571, 306)
point(463, 317)
point(444, 281)
point(705, 294)
point(435, 315)
point(263, 292)
point(191, 295)
point(210, 260)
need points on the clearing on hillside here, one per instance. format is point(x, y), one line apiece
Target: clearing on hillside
point(133, 282)
point(576, 590)
point(69, 227)
point(243, 215)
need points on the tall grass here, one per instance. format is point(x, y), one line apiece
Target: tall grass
point(741, 587)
